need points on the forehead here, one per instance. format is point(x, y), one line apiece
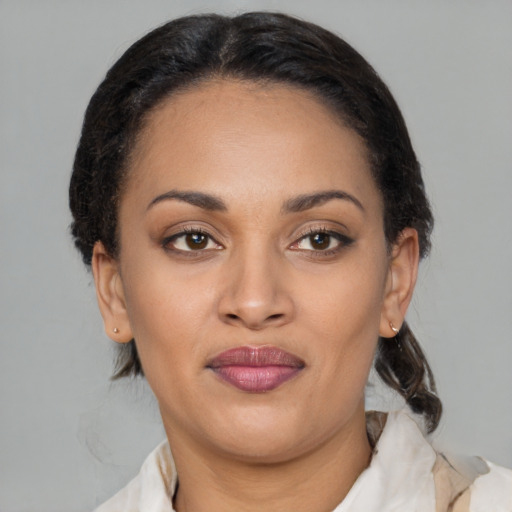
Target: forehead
point(245, 137)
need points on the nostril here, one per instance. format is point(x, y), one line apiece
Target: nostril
point(275, 317)
point(232, 316)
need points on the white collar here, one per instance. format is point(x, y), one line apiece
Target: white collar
point(398, 479)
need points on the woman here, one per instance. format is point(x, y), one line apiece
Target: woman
point(247, 196)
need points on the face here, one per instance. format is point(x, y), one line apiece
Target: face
point(253, 272)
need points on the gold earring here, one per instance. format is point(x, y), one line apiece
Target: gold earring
point(116, 330)
point(396, 337)
point(393, 328)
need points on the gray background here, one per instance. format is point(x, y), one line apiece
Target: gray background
point(69, 438)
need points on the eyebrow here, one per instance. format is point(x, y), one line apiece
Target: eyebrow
point(295, 204)
point(307, 201)
point(200, 199)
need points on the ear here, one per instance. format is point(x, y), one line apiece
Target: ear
point(402, 274)
point(110, 295)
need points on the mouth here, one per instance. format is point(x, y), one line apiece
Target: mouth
point(256, 369)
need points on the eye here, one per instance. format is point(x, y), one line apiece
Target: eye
point(188, 241)
point(322, 241)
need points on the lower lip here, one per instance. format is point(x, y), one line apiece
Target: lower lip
point(256, 379)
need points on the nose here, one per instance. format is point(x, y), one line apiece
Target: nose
point(256, 294)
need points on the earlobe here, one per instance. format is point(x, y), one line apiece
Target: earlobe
point(110, 295)
point(402, 274)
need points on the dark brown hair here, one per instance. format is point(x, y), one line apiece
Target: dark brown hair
point(268, 48)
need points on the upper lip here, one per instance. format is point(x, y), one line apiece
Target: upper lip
point(265, 355)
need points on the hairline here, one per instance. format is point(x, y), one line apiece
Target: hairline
point(136, 132)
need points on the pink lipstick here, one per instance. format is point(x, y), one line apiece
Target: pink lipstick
point(256, 369)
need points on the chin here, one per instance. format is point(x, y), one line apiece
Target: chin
point(264, 436)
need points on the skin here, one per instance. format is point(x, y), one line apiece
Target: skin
point(258, 278)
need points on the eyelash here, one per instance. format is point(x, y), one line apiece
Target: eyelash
point(168, 241)
point(343, 242)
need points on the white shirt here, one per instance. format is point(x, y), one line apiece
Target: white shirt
point(405, 475)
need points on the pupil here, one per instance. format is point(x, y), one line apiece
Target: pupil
point(196, 241)
point(320, 241)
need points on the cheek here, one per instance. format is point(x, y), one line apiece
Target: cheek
point(347, 300)
point(342, 318)
point(168, 314)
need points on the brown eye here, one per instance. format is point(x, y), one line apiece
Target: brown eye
point(320, 241)
point(190, 241)
point(196, 241)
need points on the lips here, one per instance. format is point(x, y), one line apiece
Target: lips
point(256, 369)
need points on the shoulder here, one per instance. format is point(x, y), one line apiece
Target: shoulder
point(426, 480)
point(471, 484)
point(127, 499)
point(493, 490)
point(151, 490)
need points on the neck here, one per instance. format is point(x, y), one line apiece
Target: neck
point(315, 481)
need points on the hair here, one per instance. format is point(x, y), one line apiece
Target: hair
point(265, 48)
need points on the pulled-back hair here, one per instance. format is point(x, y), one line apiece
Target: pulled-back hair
point(263, 48)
